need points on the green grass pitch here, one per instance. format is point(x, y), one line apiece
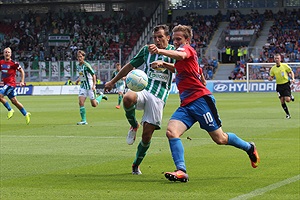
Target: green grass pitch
point(53, 158)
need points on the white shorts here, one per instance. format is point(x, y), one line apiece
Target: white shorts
point(121, 89)
point(87, 93)
point(152, 106)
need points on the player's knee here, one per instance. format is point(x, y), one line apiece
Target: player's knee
point(127, 103)
point(170, 134)
point(146, 138)
point(220, 140)
point(14, 101)
point(129, 100)
point(2, 100)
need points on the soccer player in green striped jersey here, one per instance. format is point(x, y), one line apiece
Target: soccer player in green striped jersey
point(87, 80)
point(120, 85)
point(152, 99)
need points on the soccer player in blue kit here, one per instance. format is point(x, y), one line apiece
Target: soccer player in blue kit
point(8, 69)
point(197, 105)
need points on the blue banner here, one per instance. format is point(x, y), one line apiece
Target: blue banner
point(26, 90)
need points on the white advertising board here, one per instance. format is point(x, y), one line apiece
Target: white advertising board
point(46, 90)
point(70, 89)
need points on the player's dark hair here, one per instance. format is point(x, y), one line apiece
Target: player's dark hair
point(162, 26)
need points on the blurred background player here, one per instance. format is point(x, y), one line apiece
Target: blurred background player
point(120, 85)
point(197, 105)
point(8, 69)
point(153, 98)
point(87, 80)
point(69, 81)
point(282, 71)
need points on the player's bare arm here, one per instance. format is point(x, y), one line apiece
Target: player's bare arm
point(203, 80)
point(22, 83)
point(162, 64)
point(177, 55)
point(94, 82)
point(270, 78)
point(292, 75)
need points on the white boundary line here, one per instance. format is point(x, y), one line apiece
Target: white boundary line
point(112, 137)
point(268, 188)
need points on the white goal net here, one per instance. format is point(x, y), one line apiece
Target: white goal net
point(257, 77)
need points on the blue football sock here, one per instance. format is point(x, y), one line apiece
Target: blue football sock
point(23, 111)
point(177, 153)
point(237, 142)
point(7, 106)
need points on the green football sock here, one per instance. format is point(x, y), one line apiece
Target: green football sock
point(99, 98)
point(130, 115)
point(120, 99)
point(82, 114)
point(141, 152)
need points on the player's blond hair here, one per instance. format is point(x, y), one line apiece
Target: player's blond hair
point(186, 30)
point(7, 48)
point(81, 53)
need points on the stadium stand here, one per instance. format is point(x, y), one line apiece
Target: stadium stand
point(238, 21)
point(88, 31)
point(102, 36)
point(283, 38)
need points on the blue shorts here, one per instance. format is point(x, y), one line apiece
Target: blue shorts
point(8, 91)
point(202, 110)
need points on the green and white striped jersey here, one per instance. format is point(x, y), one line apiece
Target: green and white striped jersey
point(86, 73)
point(159, 82)
point(120, 82)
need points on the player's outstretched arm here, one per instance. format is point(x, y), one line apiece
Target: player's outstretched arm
point(177, 55)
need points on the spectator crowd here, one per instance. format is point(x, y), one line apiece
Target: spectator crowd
point(102, 37)
point(99, 36)
point(283, 38)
